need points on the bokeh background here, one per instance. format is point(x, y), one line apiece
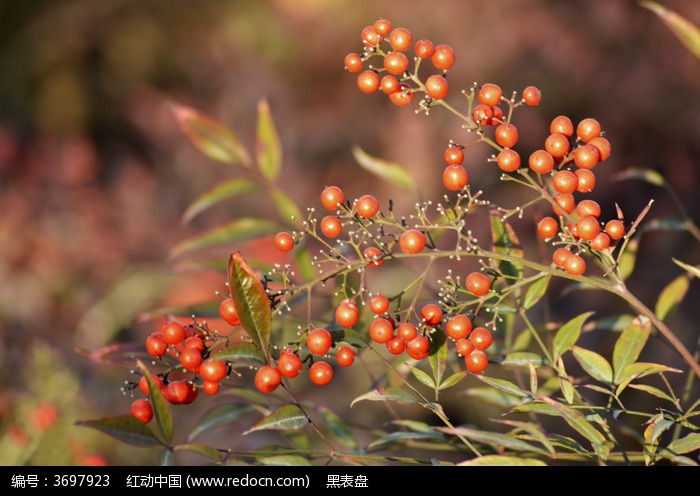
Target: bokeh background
point(95, 175)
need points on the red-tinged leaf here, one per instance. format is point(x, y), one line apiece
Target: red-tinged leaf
point(390, 172)
point(126, 429)
point(687, 32)
point(219, 416)
point(286, 417)
point(268, 150)
point(502, 461)
point(671, 296)
point(568, 334)
point(209, 136)
point(594, 364)
point(244, 229)
point(161, 408)
point(251, 301)
point(629, 345)
point(506, 242)
point(221, 192)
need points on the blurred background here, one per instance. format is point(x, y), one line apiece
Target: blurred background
point(95, 175)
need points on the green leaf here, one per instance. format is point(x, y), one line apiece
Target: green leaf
point(577, 421)
point(286, 207)
point(251, 301)
point(219, 416)
point(640, 369)
point(501, 461)
point(126, 429)
point(565, 383)
point(244, 229)
point(532, 429)
point(627, 259)
point(267, 145)
point(594, 364)
point(161, 408)
point(389, 394)
point(653, 391)
point(693, 270)
point(241, 354)
point(495, 439)
point(304, 264)
point(221, 192)
point(438, 356)
point(671, 296)
point(423, 377)
point(285, 461)
point(503, 385)
point(494, 397)
point(390, 172)
point(338, 428)
point(405, 436)
point(536, 291)
point(629, 345)
point(685, 31)
point(506, 242)
point(523, 359)
point(201, 449)
point(686, 444)
point(452, 380)
point(209, 136)
point(286, 417)
point(568, 334)
point(166, 457)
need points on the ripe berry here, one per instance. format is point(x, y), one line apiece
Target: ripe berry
point(565, 204)
point(481, 338)
point(143, 383)
point(373, 254)
point(332, 198)
point(382, 26)
point(561, 124)
point(560, 256)
point(424, 49)
point(418, 348)
point(458, 327)
point(367, 206)
point(454, 155)
point(345, 356)
point(289, 364)
point(156, 345)
point(142, 410)
point(547, 227)
point(587, 227)
point(396, 345)
point(319, 341)
point(532, 96)
point(177, 392)
point(210, 387)
point(389, 84)
point(588, 129)
point(400, 39)
point(600, 242)
point(173, 332)
point(455, 177)
point(347, 314)
point(353, 62)
point(464, 347)
point(586, 180)
point(506, 135)
point(370, 36)
point(284, 241)
point(331, 226)
point(396, 63)
point(213, 370)
point(443, 57)
point(403, 96)
point(575, 265)
point(478, 284)
point(381, 330)
point(228, 312)
point(508, 160)
point(603, 146)
point(482, 115)
point(615, 229)
point(368, 81)
point(564, 181)
point(406, 331)
point(489, 94)
point(586, 156)
point(379, 304)
point(588, 207)
point(321, 373)
point(267, 378)
point(436, 87)
point(476, 361)
point(431, 314)
point(412, 241)
point(541, 162)
point(557, 145)
point(190, 359)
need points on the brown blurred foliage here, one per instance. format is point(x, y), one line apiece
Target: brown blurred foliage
point(94, 175)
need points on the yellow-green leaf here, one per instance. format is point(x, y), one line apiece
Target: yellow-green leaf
point(594, 364)
point(389, 171)
point(268, 150)
point(506, 242)
point(637, 370)
point(251, 301)
point(536, 291)
point(503, 385)
point(218, 416)
point(244, 229)
point(423, 377)
point(438, 356)
point(693, 270)
point(523, 359)
point(687, 32)
point(389, 394)
point(577, 421)
point(671, 296)
point(629, 345)
point(209, 136)
point(286, 417)
point(565, 383)
point(686, 444)
point(496, 439)
point(221, 192)
point(161, 408)
point(502, 461)
point(285, 461)
point(568, 334)
point(627, 259)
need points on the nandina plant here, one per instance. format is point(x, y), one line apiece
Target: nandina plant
point(402, 306)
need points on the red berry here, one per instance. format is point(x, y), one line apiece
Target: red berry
point(228, 312)
point(367, 206)
point(455, 177)
point(289, 364)
point(173, 332)
point(381, 330)
point(142, 410)
point(443, 57)
point(319, 341)
point(481, 338)
point(476, 361)
point(321, 373)
point(332, 198)
point(458, 327)
point(532, 96)
point(478, 284)
point(431, 314)
point(267, 378)
point(345, 356)
point(412, 241)
point(436, 87)
point(418, 348)
point(284, 241)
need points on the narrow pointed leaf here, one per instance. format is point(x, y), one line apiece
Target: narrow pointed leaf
point(652, 391)
point(286, 207)
point(390, 172)
point(647, 175)
point(671, 296)
point(221, 192)
point(438, 357)
point(502, 461)
point(565, 384)
point(693, 270)
point(687, 32)
point(505, 241)
point(577, 421)
point(495, 439)
point(338, 428)
point(522, 359)
point(423, 377)
point(627, 259)
point(405, 436)
point(452, 380)
point(285, 461)
point(503, 385)
point(534, 431)
point(201, 449)
point(389, 394)
point(686, 444)
point(161, 408)
point(241, 355)
point(640, 369)
point(126, 429)
point(219, 416)
point(244, 229)
point(268, 150)
point(535, 292)
point(629, 345)
point(251, 301)
point(286, 417)
point(594, 364)
point(209, 136)
point(568, 334)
